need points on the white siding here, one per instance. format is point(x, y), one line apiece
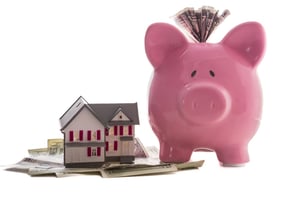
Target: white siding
point(127, 148)
point(79, 154)
point(85, 121)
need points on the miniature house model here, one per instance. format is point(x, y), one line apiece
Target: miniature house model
point(98, 133)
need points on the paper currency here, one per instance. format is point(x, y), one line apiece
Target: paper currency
point(61, 171)
point(121, 171)
point(31, 163)
point(39, 151)
point(200, 23)
point(146, 163)
point(35, 167)
point(141, 161)
point(142, 166)
point(55, 146)
point(136, 170)
point(189, 165)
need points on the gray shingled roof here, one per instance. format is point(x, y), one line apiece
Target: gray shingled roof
point(106, 112)
point(103, 112)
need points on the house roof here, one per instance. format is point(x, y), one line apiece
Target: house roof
point(106, 112)
point(103, 112)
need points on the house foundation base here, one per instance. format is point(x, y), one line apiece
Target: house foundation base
point(84, 165)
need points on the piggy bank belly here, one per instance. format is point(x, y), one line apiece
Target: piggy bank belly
point(229, 139)
point(204, 116)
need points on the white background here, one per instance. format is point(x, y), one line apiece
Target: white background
point(51, 52)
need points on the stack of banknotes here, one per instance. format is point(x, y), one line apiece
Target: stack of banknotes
point(200, 23)
point(49, 161)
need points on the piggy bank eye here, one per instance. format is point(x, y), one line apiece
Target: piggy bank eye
point(212, 73)
point(193, 73)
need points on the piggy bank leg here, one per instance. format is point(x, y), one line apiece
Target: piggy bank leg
point(174, 154)
point(233, 155)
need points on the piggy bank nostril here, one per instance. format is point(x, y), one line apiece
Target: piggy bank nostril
point(212, 105)
point(195, 105)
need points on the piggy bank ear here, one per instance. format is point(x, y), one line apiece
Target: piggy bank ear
point(162, 40)
point(247, 40)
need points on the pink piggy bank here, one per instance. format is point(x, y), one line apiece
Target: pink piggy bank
point(203, 95)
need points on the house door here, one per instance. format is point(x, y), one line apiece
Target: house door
point(127, 152)
point(125, 148)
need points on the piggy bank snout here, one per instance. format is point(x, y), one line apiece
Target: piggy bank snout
point(204, 103)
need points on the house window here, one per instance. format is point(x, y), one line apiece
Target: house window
point(89, 151)
point(115, 130)
point(106, 131)
point(121, 130)
point(89, 135)
point(129, 130)
point(98, 135)
point(94, 135)
point(106, 146)
point(81, 135)
point(95, 151)
point(115, 145)
point(71, 136)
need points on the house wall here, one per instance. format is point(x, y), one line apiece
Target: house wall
point(127, 142)
point(77, 151)
point(127, 148)
point(124, 147)
point(120, 117)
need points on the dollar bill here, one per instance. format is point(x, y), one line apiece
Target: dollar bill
point(148, 164)
point(117, 171)
point(143, 159)
point(38, 151)
point(189, 165)
point(54, 146)
point(143, 166)
point(61, 171)
point(136, 170)
point(31, 163)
